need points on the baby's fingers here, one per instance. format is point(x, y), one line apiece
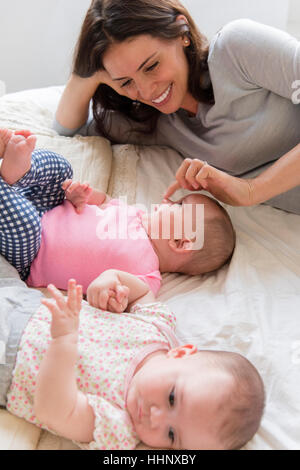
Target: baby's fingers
point(65, 185)
point(74, 296)
point(52, 307)
point(116, 307)
point(86, 186)
point(57, 296)
point(122, 293)
point(73, 186)
point(98, 298)
point(103, 299)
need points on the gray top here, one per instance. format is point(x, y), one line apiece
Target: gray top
point(253, 122)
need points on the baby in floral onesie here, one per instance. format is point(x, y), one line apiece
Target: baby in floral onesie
point(111, 380)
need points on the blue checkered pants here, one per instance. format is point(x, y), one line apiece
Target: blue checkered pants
point(23, 204)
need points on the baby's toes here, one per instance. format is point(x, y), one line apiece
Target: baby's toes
point(20, 146)
point(16, 142)
point(5, 135)
point(15, 138)
point(31, 141)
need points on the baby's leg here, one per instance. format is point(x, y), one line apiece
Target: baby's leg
point(42, 184)
point(16, 156)
point(20, 229)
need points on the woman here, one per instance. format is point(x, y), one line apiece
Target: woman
point(154, 79)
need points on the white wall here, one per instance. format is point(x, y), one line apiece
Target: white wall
point(37, 37)
point(211, 15)
point(294, 18)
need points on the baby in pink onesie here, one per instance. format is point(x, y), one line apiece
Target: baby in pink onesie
point(82, 231)
point(90, 232)
point(111, 234)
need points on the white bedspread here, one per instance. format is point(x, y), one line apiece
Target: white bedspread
point(251, 306)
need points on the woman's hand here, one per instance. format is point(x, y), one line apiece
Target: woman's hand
point(107, 292)
point(195, 175)
point(102, 77)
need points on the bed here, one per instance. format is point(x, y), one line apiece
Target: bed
point(251, 306)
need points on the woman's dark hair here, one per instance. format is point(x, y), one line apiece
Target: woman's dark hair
point(112, 21)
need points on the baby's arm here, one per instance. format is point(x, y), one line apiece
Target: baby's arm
point(80, 194)
point(117, 291)
point(57, 402)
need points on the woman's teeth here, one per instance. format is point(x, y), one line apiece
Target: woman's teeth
point(162, 97)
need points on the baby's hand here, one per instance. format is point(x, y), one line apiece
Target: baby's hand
point(106, 292)
point(77, 193)
point(65, 311)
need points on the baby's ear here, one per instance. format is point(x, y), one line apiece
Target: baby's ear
point(182, 245)
point(182, 351)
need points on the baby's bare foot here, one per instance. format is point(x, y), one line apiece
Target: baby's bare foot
point(17, 157)
point(5, 135)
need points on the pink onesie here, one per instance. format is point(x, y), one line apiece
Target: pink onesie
point(82, 246)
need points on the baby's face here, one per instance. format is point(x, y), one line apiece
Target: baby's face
point(176, 402)
point(174, 221)
point(165, 219)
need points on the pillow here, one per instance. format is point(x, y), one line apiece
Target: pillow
point(90, 157)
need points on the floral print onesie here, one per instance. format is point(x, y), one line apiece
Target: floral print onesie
point(110, 347)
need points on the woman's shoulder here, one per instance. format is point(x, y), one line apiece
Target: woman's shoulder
point(239, 26)
point(241, 33)
point(242, 42)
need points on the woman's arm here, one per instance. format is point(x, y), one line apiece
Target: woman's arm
point(253, 56)
point(282, 176)
point(73, 108)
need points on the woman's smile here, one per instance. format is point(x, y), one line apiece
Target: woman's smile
point(164, 97)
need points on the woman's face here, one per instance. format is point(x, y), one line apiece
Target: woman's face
point(151, 70)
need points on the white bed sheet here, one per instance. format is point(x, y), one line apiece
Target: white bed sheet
point(251, 306)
